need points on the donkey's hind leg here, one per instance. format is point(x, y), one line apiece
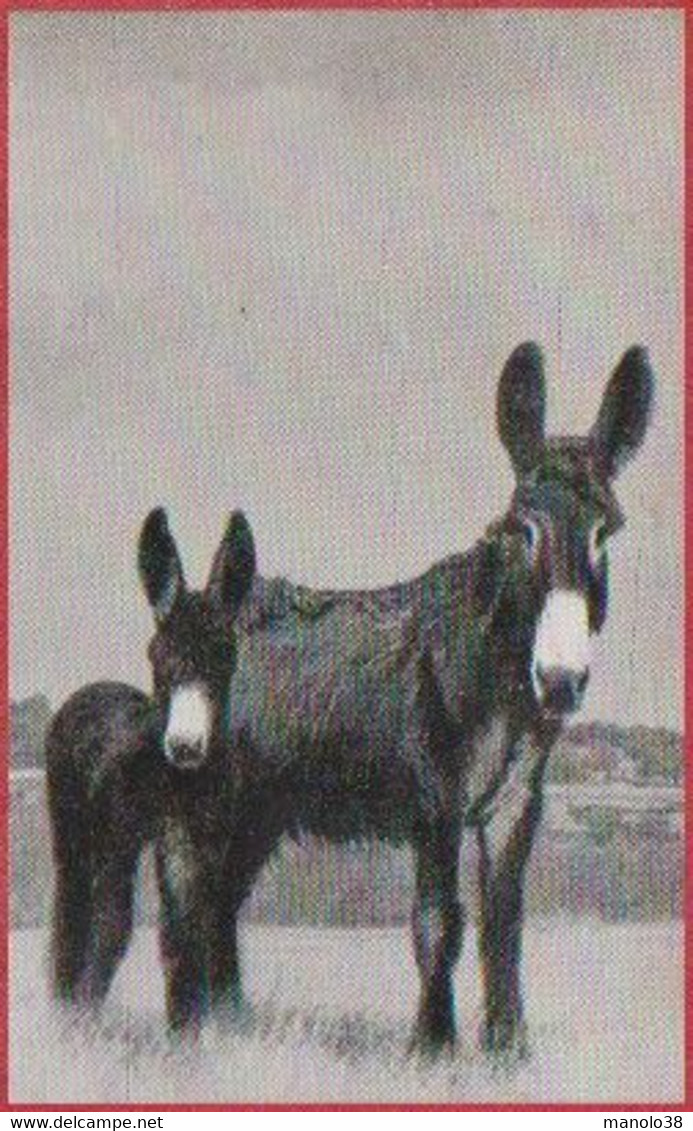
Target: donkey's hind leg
point(71, 918)
point(70, 933)
point(113, 893)
point(438, 922)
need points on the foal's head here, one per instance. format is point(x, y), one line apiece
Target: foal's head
point(564, 512)
point(192, 652)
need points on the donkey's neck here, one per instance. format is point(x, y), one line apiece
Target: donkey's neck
point(473, 623)
point(463, 590)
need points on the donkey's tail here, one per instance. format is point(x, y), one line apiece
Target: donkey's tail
point(68, 807)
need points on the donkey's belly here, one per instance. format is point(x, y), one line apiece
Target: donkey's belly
point(353, 822)
point(370, 803)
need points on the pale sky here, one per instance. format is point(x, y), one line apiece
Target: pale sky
point(277, 260)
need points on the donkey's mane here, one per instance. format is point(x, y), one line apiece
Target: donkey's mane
point(471, 580)
point(462, 577)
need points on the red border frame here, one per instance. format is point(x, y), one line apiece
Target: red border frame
point(4, 567)
point(6, 10)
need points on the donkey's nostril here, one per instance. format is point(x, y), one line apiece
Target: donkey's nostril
point(185, 754)
point(581, 681)
point(561, 690)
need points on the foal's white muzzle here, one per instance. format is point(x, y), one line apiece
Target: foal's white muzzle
point(560, 661)
point(186, 741)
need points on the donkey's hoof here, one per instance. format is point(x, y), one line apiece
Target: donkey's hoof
point(506, 1042)
point(430, 1043)
point(185, 1026)
point(184, 1036)
point(234, 1017)
point(74, 1019)
point(226, 1023)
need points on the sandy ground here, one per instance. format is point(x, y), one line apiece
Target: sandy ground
point(332, 1010)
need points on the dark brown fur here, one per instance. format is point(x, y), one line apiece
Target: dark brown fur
point(110, 787)
point(409, 712)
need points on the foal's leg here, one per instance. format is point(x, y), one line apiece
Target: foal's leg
point(185, 913)
point(226, 995)
point(71, 929)
point(222, 964)
point(438, 922)
point(245, 854)
point(71, 842)
point(505, 844)
point(112, 897)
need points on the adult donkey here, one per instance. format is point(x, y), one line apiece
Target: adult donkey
point(409, 712)
point(124, 769)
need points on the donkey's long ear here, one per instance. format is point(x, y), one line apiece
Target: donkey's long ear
point(159, 565)
point(234, 565)
point(625, 412)
point(521, 406)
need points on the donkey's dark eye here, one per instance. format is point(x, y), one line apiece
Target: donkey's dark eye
point(597, 546)
point(531, 533)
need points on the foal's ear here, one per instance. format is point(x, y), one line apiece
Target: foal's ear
point(234, 565)
point(521, 406)
point(625, 412)
point(159, 565)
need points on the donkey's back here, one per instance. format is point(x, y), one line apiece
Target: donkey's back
point(321, 678)
point(96, 720)
point(333, 691)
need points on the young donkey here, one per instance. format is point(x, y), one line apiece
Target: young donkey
point(410, 712)
point(119, 767)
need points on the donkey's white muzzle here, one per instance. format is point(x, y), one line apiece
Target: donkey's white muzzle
point(560, 662)
point(186, 741)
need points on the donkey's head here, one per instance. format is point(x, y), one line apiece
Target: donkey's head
point(192, 652)
point(564, 511)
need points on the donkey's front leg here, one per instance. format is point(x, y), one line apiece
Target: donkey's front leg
point(438, 921)
point(185, 927)
point(504, 847)
point(226, 996)
point(244, 853)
